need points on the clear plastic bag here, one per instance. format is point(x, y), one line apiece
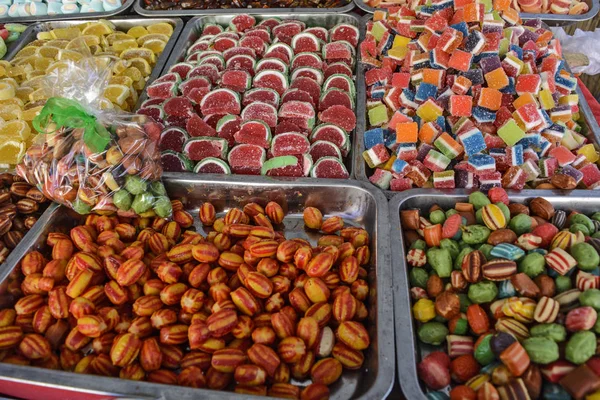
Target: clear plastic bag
point(90, 157)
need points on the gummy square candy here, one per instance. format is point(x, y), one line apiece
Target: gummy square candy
point(428, 132)
point(466, 179)
point(439, 58)
point(483, 115)
point(528, 83)
point(450, 40)
point(460, 60)
point(398, 117)
point(424, 91)
point(589, 152)
point(490, 99)
point(490, 180)
point(407, 132)
point(472, 141)
point(401, 184)
point(376, 155)
point(399, 168)
point(562, 155)
point(514, 178)
point(573, 172)
point(511, 133)
point(461, 85)
point(373, 137)
point(489, 64)
point(436, 161)
point(443, 180)
point(407, 98)
point(448, 146)
point(514, 155)
point(475, 42)
point(434, 76)
point(418, 173)
point(429, 111)
point(381, 178)
point(461, 105)
point(423, 150)
point(378, 115)
point(531, 169)
point(547, 167)
point(496, 79)
point(481, 163)
point(407, 151)
point(529, 115)
point(591, 174)
point(512, 65)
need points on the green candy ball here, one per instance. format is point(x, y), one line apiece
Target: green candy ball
point(135, 185)
point(479, 200)
point(520, 224)
point(586, 256)
point(563, 283)
point(483, 292)
point(122, 199)
point(437, 217)
point(433, 333)
point(532, 264)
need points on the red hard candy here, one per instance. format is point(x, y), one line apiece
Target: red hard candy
point(546, 232)
point(498, 195)
point(433, 370)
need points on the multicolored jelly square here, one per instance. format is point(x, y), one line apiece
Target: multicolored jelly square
point(460, 60)
point(490, 99)
point(472, 141)
point(448, 146)
point(461, 105)
point(444, 180)
point(528, 83)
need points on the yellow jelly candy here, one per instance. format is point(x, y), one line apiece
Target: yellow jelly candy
point(45, 36)
point(105, 104)
point(117, 93)
point(424, 310)
point(42, 63)
point(142, 65)
point(11, 151)
point(7, 91)
point(10, 81)
point(162, 27)
point(120, 45)
point(9, 112)
point(113, 37)
point(13, 100)
point(42, 93)
point(15, 130)
point(69, 55)
point(137, 31)
point(133, 73)
point(401, 41)
point(31, 113)
point(19, 70)
point(139, 85)
point(48, 52)
point(152, 36)
point(35, 74)
point(60, 43)
point(156, 45)
point(26, 52)
point(89, 40)
point(121, 80)
point(98, 29)
point(120, 66)
point(589, 152)
point(65, 33)
point(144, 53)
point(23, 93)
point(478, 380)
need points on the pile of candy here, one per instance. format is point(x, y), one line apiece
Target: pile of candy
point(274, 98)
point(468, 97)
point(512, 292)
point(23, 89)
point(571, 7)
point(56, 7)
point(229, 4)
point(8, 34)
point(240, 309)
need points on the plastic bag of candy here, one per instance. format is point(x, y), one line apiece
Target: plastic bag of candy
point(90, 157)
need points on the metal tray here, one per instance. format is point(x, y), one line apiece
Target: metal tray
point(64, 17)
point(191, 33)
point(591, 129)
point(355, 202)
point(139, 8)
point(408, 350)
point(550, 19)
point(31, 32)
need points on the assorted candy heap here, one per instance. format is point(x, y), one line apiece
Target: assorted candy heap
point(274, 98)
point(232, 4)
point(467, 97)
point(23, 90)
point(9, 33)
point(572, 7)
point(511, 292)
point(240, 308)
point(19, 8)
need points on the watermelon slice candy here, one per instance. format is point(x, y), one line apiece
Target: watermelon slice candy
point(182, 69)
point(261, 112)
point(311, 60)
point(215, 59)
point(221, 101)
point(213, 119)
point(340, 116)
point(246, 159)
point(288, 166)
point(209, 71)
point(236, 51)
point(329, 167)
point(272, 80)
point(263, 95)
point(172, 138)
point(196, 126)
point(331, 133)
point(305, 42)
point(255, 43)
point(272, 64)
point(223, 43)
point(312, 73)
point(334, 68)
point(342, 82)
point(211, 165)
point(288, 126)
point(178, 107)
point(198, 82)
point(262, 33)
point(308, 85)
point(269, 23)
point(297, 109)
point(169, 77)
point(289, 143)
point(173, 161)
point(241, 62)
point(199, 148)
point(236, 80)
point(173, 120)
point(242, 22)
point(254, 132)
point(212, 29)
point(288, 29)
point(295, 94)
point(154, 111)
point(334, 97)
point(162, 90)
point(200, 45)
point(323, 148)
point(227, 127)
point(151, 102)
point(319, 32)
point(281, 48)
point(346, 32)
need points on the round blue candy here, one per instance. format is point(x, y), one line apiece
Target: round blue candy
point(506, 289)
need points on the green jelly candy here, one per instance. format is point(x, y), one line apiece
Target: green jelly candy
point(486, 249)
point(520, 224)
point(135, 185)
point(586, 256)
point(596, 216)
point(532, 264)
point(584, 220)
point(574, 228)
point(419, 244)
point(465, 302)
point(378, 115)
point(433, 333)
point(479, 200)
point(504, 210)
point(483, 352)
point(158, 189)
point(451, 246)
point(80, 207)
point(437, 217)
point(418, 278)
point(122, 199)
point(556, 332)
point(451, 212)
point(541, 350)
point(510, 132)
point(581, 347)
point(142, 203)
point(563, 283)
point(461, 327)
point(590, 298)
point(483, 292)
point(162, 207)
point(475, 234)
point(441, 261)
point(596, 235)
point(460, 257)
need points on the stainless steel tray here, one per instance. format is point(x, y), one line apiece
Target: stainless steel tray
point(139, 8)
point(192, 31)
point(550, 19)
point(64, 17)
point(355, 202)
point(591, 129)
point(124, 23)
point(408, 350)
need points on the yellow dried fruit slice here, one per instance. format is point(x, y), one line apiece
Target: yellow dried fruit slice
point(120, 66)
point(7, 91)
point(42, 93)
point(19, 70)
point(161, 27)
point(15, 130)
point(124, 44)
point(142, 65)
point(13, 100)
point(89, 40)
point(118, 36)
point(151, 36)
point(139, 85)
point(42, 63)
point(137, 31)
point(48, 51)
point(156, 45)
point(65, 33)
point(145, 53)
point(133, 73)
point(60, 43)
point(105, 104)
point(116, 93)
point(11, 151)
point(45, 36)
point(23, 93)
point(66, 55)
point(37, 43)
point(8, 112)
point(2, 71)
point(35, 74)
point(31, 113)
point(26, 52)
point(98, 29)
point(121, 80)
point(10, 81)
